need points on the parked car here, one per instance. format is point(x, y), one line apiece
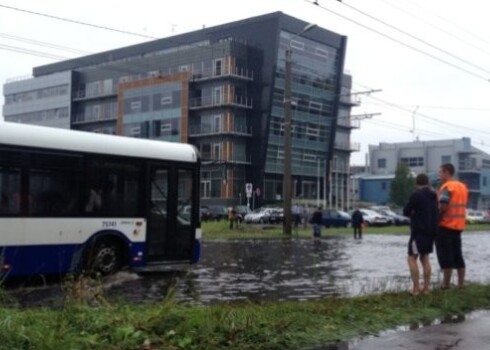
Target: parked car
point(277, 215)
point(336, 218)
point(205, 213)
point(261, 215)
point(372, 218)
point(243, 210)
point(477, 217)
point(218, 212)
point(393, 218)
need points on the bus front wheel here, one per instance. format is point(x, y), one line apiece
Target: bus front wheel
point(105, 258)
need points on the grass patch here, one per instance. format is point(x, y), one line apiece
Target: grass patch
point(221, 230)
point(239, 326)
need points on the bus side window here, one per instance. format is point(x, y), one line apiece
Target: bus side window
point(9, 191)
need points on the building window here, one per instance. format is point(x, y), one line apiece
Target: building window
point(297, 44)
point(445, 159)
point(311, 158)
point(218, 67)
point(383, 186)
point(484, 181)
point(321, 52)
point(412, 161)
point(316, 106)
point(166, 100)
point(135, 105)
point(184, 68)
point(135, 131)
point(217, 151)
point(382, 163)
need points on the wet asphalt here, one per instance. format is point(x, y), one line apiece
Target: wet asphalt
point(470, 332)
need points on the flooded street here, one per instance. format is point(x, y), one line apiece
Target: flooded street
point(297, 269)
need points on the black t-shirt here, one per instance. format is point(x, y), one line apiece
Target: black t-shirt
point(422, 209)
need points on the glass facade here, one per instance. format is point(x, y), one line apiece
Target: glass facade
point(314, 78)
point(153, 112)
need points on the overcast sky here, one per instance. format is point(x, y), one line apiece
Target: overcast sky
point(442, 100)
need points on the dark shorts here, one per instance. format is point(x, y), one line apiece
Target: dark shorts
point(449, 249)
point(420, 245)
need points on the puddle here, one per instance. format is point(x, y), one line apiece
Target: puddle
point(298, 269)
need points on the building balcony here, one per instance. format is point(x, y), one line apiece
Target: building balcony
point(84, 95)
point(210, 159)
point(79, 119)
point(347, 146)
point(350, 100)
point(468, 170)
point(348, 122)
point(225, 72)
point(220, 101)
point(200, 131)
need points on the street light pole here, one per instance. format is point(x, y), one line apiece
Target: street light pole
point(287, 181)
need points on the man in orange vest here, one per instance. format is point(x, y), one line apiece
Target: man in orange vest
point(453, 198)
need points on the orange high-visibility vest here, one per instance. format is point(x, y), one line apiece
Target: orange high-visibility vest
point(455, 216)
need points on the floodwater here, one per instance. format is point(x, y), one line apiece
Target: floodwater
point(296, 269)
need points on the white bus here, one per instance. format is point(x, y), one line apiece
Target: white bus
point(74, 201)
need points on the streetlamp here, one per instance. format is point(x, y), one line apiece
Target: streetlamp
point(287, 183)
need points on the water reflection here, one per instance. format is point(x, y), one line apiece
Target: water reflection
point(297, 269)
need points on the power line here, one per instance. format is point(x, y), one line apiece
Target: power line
point(77, 22)
point(42, 43)
point(476, 75)
point(448, 108)
point(452, 23)
point(31, 52)
point(425, 42)
point(452, 35)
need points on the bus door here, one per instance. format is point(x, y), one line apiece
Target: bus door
point(170, 236)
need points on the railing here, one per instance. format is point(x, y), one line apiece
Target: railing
point(204, 131)
point(19, 78)
point(352, 100)
point(83, 119)
point(82, 94)
point(349, 122)
point(235, 72)
point(220, 100)
point(348, 146)
point(208, 158)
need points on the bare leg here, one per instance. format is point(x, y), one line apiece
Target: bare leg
point(414, 273)
point(461, 274)
point(424, 259)
point(446, 277)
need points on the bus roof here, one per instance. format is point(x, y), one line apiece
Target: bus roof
point(81, 141)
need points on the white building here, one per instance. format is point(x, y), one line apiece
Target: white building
point(472, 165)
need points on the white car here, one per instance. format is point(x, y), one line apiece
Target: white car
point(372, 218)
point(476, 217)
point(261, 216)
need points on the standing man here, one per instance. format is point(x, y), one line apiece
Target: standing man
point(296, 215)
point(422, 209)
point(357, 222)
point(316, 220)
point(453, 198)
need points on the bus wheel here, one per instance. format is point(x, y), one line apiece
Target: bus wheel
point(105, 258)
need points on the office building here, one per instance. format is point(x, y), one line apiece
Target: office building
point(471, 164)
point(220, 89)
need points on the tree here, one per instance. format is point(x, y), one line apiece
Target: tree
point(402, 185)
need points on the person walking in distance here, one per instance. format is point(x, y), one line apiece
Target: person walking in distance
point(357, 222)
point(316, 220)
point(422, 209)
point(453, 198)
